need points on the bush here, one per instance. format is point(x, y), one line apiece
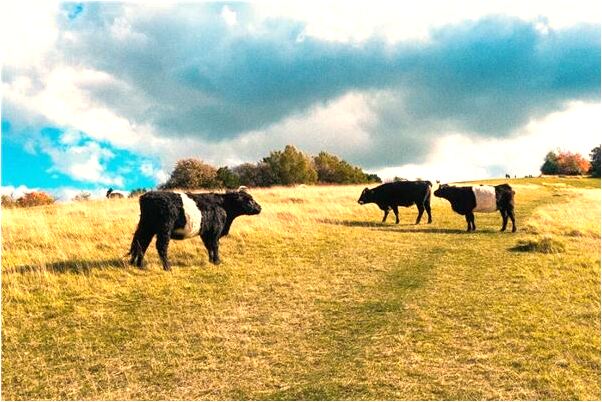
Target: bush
point(565, 163)
point(8, 202)
point(572, 164)
point(259, 175)
point(82, 196)
point(35, 198)
point(137, 192)
point(192, 173)
point(227, 178)
point(373, 178)
point(291, 166)
point(331, 169)
point(550, 164)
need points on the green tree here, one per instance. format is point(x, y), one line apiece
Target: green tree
point(227, 177)
point(291, 166)
point(595, 162)
point(192, 173)
point(255, 175)
point(550, 165)
point(332, 169)
point(373, 178)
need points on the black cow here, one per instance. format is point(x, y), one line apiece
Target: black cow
point(176, 215)
point(400, 193)
point(470, 199)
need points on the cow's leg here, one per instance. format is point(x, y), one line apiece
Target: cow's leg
point(511, 215)
point(143, 244)
point(162, 244)
point(504, 219)
point(470, 221)
point(208, 245)
point(386, 209)
point(142, 238)
point(420, 212)
point(215, 247)
point(469, 226)
point(427, 206)
point(396, 212)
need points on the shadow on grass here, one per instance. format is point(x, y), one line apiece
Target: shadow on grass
point(390, 227)
point(72, 266)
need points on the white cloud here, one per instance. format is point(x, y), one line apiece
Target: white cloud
point(16, 192)
point(149, 170)
point(345, 21)
point(54, 88)
point(229, 16)
point(457, 157)
point(63, 102)
point(28, 30)
point(85, 162)
point(67, 194)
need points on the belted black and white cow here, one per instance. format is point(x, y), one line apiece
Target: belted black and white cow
point(400, 193)
point(179, 215)
point(470, 199)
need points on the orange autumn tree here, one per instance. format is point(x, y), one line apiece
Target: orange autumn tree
point(572, 163)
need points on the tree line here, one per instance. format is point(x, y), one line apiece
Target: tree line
point(286, 167)
point(568, 163)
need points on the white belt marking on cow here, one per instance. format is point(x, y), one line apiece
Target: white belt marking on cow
point(193, 215)
point(485, 196)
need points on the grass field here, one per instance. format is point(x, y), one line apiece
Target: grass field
point(315, 299)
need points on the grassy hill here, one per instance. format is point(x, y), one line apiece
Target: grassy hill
point(315, 299)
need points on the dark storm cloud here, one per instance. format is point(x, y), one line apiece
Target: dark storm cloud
point(192, 74)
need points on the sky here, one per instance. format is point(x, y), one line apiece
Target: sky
point(98, 95)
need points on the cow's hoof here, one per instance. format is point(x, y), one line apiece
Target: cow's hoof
point(430, 222)
point(513, 230)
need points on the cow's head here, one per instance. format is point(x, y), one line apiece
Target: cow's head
point(242, 203)
point(442, 191)
point(366, 197)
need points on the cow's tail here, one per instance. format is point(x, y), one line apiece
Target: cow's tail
point(427, 195)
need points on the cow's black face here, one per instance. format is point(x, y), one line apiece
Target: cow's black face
point(443, 191)
point(366, 197)
point(247, 204)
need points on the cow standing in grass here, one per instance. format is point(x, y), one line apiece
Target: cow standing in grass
point(389, 196)
point(470, 199)
point(178, 215)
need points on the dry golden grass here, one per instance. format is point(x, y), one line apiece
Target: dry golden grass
point(315, 299)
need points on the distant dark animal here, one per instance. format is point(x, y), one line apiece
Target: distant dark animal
point(400, 193)
point(177, 215)
point(115, 194)
point(470, 199)
point(507, 176)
